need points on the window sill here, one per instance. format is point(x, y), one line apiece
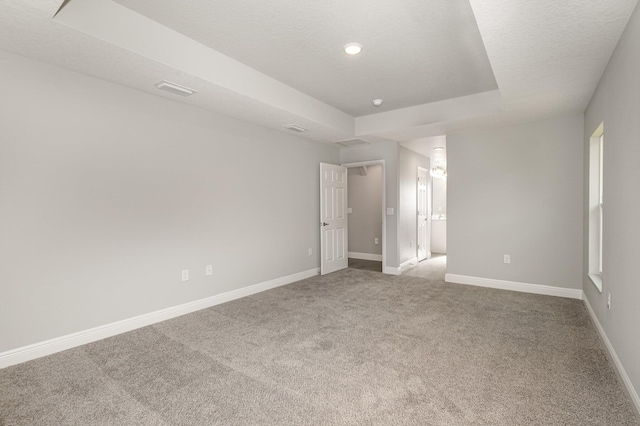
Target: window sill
point(596, 279)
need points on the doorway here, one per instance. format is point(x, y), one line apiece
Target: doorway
point(366, 218)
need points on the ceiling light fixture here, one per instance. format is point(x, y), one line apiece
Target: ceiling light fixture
point(377, 102)
point(174, 88)
point(439, 172)
point(353, 48)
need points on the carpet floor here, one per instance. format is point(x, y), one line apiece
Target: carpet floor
point(353, 347)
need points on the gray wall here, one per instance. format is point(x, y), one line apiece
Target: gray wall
point(107, 193)
point(387, 151)
point(616, 102)
point(517, 191)
point(408, 162)
point(365, 200)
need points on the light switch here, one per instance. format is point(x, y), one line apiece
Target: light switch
point(389, 211)
point(349, 210)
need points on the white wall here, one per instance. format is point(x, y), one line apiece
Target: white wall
point(408, 162)
point(365, 200)
point(517, 191)
point(107, 193)
point(439, 189)
point(439, 226)
point(616, 102)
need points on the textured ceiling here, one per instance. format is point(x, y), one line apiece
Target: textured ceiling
point(547, 57)
point(409, 58)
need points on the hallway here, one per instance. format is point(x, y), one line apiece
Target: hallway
point(433, 269)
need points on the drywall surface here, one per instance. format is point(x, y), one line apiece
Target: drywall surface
point(439, 236)
point(517, 191)
point(107, 193)
point(616, 103)
point(365, 200)
point(408, 185)
point(387, 151)
point(439, 190)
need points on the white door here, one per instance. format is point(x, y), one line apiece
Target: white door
point(424, 240)
point(333, 218)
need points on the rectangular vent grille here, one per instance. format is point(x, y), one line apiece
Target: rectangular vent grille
point(295, 128)
point(174, 88)
point(351, 142)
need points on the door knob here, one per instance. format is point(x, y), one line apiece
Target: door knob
point(324, 224)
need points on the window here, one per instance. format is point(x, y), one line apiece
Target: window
point(596, 205)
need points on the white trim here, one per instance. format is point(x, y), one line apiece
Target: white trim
point(48, 347)
point(429, 196)
point(548, 290)
point(596, 279)
point(391, 270)
point(408, 264)
point(633, 394)
point(385, 269)
point(365, 256)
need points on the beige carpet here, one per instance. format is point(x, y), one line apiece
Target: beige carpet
point(354, 347)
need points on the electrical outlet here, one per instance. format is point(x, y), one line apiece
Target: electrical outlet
point(608, 300)
point(507, 258)
point(209, 270)
point(376, 241)
point(310, 251)
point(185, 275)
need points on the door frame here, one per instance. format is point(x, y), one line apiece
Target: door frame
point(429, 211)
point(382, 207)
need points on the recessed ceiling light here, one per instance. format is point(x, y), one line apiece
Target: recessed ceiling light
point(353, 48)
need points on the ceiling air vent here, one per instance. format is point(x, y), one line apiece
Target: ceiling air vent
point(174, 88)
point(351, 142)
point(295, 128)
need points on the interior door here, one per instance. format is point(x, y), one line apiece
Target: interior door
point(424, 240)
point(333, 218)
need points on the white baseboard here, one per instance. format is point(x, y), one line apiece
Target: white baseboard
point(391, 270)
point(365, 256)
point(633, 394)
point(408, 264)
point(58, 344)
point(515, 286)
